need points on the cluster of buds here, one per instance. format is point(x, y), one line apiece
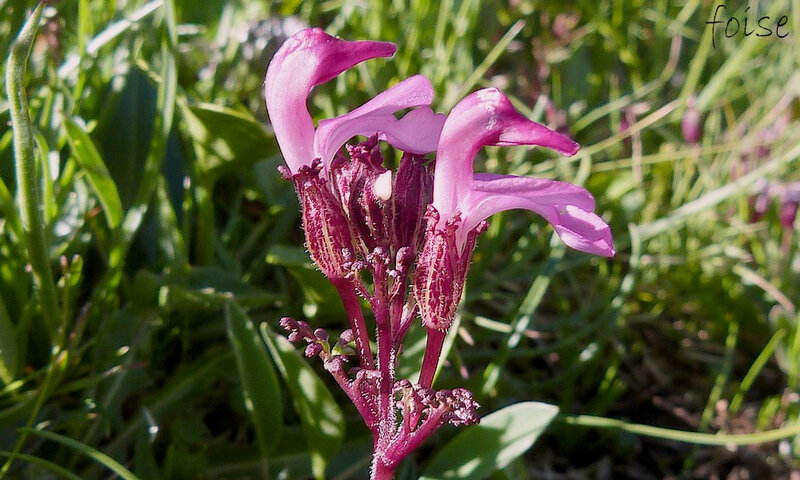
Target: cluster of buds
point(317, 340)
point(402, 240)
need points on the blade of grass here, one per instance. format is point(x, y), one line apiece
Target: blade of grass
point(55, 371)
point(754, 370)
point(739, 187)
point(491, 375)
point(90, 452)
point(199, 375)
point(9, 352)
point(259, 382)
point(734, 64)
point(320, 416)
point(89, 158)
point(696, 438)
point(107, 35)
point(58, 470)
point(724, 373)
point(487, 62)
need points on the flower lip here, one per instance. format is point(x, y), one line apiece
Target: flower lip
point(487, 117)
point(483, 118)
point(416, 132)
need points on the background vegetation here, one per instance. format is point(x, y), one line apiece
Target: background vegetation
point(174, 245)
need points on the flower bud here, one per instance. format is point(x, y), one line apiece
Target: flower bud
point(789, 203)
point(328, 237)
point(347, 336)
point(413, 189)
point(437, 283)
point(321, 334)
point(442, 269)
point(313, 349)
point(288, 323)
point(462, 408)
point(364, 187)
point(692, 123)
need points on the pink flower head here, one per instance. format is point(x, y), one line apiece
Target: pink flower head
point(312, 57)
point(343, 201)
point(409, 233)
point(462, 200)
point(487, 117)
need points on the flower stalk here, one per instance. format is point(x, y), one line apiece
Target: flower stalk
point(358, 325)
point(27, 180)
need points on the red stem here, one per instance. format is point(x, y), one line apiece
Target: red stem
point(433, 349)
point(381, 471)
point(408, 442)
point(352, 392)
point(386, 367)
point(353, 308)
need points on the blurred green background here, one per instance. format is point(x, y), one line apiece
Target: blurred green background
point(175, 246)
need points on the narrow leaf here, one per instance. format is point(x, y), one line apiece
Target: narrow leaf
point(8, 346)
point(498, 440)
point(225, 137)
point(89, 159)
point(90, 452)
point(56, 469)
point(259, 382)
point(322, 420)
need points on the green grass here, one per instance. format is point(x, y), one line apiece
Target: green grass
point(154, 181)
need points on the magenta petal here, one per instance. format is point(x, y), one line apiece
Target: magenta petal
point(584, 231)
point(417, 132)
point(566, 206)
point(483, 118)
point(308, 58)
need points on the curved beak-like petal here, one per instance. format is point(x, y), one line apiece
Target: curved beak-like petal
point(417, 132)
point(310, 57)
point(485, 117)
point(569, 208)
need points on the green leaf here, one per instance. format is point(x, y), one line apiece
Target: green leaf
point(99, 457)
point(259, 382)
point(89, 159)
point(40, 462)
point(322, 420)
point(225, 138)
point(125, 133)
point(8, 346)
point(492, 444)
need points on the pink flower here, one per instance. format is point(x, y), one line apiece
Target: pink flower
point(462, 200)
point(312, 57)
point(359, 217)
point(486, 117)
point(307, 59)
